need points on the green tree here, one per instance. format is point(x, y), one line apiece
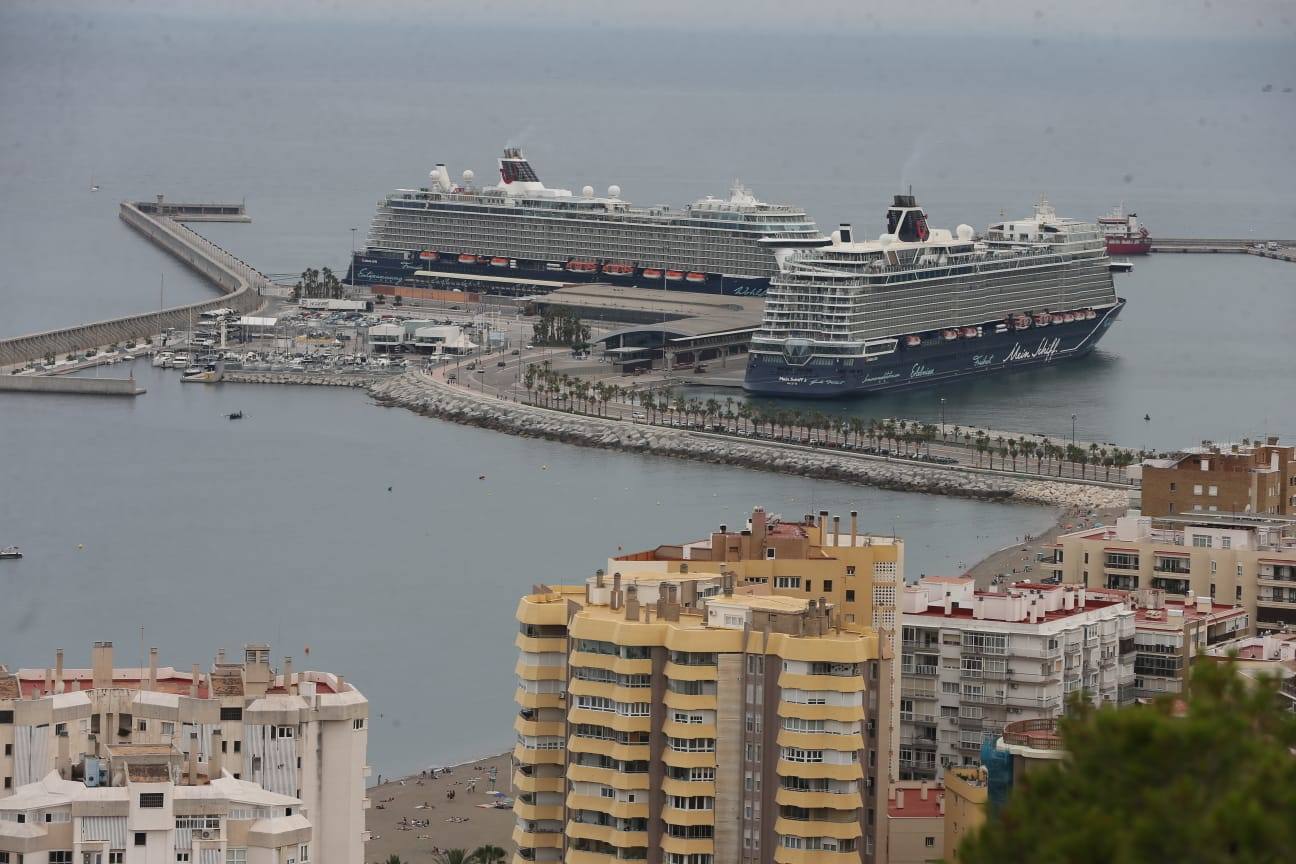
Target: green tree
point(1210, 779)
point(452, 856)
point(489, 854)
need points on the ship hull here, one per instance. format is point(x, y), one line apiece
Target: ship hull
point(1128, 247)
point(932, 363)
point(374, 268)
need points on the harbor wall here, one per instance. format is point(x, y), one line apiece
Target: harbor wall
point(241, 285)
point(66, 385)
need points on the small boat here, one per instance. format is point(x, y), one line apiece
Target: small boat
point(674, 275)
point(1059, 319)
point(1121, 266)
point(179, 360)
point(696, 277)
point(1043, 319)
point(949, 335)
point(913, 341)
point(208, 373)
point(499, 262)
point(1070, 316)
point(235, 415)
point(428, 255)
point(613, 269)
point(1090, 314)
point(10, 552)
point(1021, 322)
point(162, 359)
point(969, 332)
point(582, 266)
point(467, 259)
point(652, 273)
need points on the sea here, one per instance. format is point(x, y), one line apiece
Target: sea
point(360, 539)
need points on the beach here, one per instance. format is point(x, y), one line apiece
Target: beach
point(1011, 562)
point(399, 808)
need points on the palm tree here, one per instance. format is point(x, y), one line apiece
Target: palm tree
point(1012, 451)
point(981, 446)
point(452, 856)
point(488, 854)
point(394, 859)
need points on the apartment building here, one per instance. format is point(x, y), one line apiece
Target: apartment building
point(1267, 655)
point(973, 661)
point(1242, 560)
point(697, 707)
point(298, 735)
point(1251, 477)
point(966, 793)
point(1170, 634)
point(915, 823)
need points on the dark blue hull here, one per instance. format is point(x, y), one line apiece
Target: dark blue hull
point(933, 362)
point(517, 277)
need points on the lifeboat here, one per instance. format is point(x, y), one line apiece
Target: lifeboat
point(674, 275)
point(467, 259)
point(499, 262)
point(428, 255)
point(696, 277)
point(1021, 322)
point(1059, 319)
point(1090, 314)
point(913, 341)
point(1070, 316)
point(618, 269)
point(1042, 319)
point(582, 266)
point(949, 335)
point(652, 273)
point(969, 332)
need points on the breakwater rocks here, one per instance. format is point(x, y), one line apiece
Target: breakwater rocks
point(419, 392)
point(239, 377)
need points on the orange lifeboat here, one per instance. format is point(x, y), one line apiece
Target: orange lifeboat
point(1021, 322)
point(696, 277)
point(499, 262)
point(1059, 319)
point(582, 266)
point(428, 255)
point(618, 269)
point(467, 259)
point(652, 273)
point(969, 332)
point(949, 335)
point(913, 341)
point(1090, 314)
point(674, 275)
point(1042, 319)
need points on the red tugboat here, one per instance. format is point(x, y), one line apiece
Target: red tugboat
point(1124, 234)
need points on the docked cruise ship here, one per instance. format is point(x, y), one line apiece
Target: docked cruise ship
point(922, 306)
point(520, 236)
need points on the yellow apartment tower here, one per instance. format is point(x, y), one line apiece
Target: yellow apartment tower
point(731, 699)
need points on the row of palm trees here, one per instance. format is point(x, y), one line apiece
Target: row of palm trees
point(481, 855)
point(545, 386)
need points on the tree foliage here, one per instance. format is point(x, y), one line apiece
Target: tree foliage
point(561, 328)
point(1210, 780)
point(317, 284)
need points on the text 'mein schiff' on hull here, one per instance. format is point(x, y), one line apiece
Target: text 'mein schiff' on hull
point(520, 236)
point(920, 306)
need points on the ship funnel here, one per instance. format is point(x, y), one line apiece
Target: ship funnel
point(441, 177)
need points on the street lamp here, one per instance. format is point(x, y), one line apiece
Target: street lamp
point(1073, 419)
point(942, 409)
point(352, 268)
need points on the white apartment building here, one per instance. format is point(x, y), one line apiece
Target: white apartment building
point(973, 661)
point(298, 735)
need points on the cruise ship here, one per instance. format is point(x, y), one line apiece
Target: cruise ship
point(522, 237)
point(923, 306)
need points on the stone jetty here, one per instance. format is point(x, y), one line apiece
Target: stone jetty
point(420, 392)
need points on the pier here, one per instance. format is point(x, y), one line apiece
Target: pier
point(208, 212)
point(242, 287)
point(1286, 250)
point(70, 386)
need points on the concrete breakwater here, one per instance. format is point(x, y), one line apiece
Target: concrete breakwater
point(240, 284)
point(418, 391)
point(62, 384)
point(364, 380)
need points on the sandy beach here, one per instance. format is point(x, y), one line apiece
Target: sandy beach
point(400, 807)
point(1011, 562)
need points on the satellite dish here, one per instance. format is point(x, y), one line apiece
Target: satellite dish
point(468, 176)
point(587, 191)
point(614, 191)
point(964, 232)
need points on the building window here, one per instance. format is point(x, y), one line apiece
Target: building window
point(827, 585)
point(168, 728)
point(929, 842)
point(234, 713)
point(787, 582)
point(1212, 491)
point(143, 725)
point(1086, 558)
point(182, 857)
point(1197, 489)
point(1214, 567)
point(303, 853)
point(116, 856)
point(1201, 541)
point(1239, 592)
point(151, 800)
point(1226, 542)
point(236, 855)
point(358, 723)
point(60, 856)
point(850, 595)
point(769, 553)
point(238, 746)
point(140, 838)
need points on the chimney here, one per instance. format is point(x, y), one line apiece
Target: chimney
point(727, 582)
point(214, 760)
point(899, 793)
point(923, 790)
point(632, 603)
point(152, 670)
point(598, 578)
point(58, 671)
point(836, 531)
point(978, 606)
point(1082, 594)
point(854, 526)
point(758, 525)
point(823, 520)
point(193, 759)
point(1068, 599)
point(49, 680)
point(1204, 604)
point(949, 603)
point(940, 803)
point(193, 682)
point(102, 665)
point(63, 760)
point(341, 683)
point(615, 601)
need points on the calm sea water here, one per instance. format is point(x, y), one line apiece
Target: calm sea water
point(209, 533)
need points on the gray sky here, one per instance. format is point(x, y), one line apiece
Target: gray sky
point(1135, 19)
